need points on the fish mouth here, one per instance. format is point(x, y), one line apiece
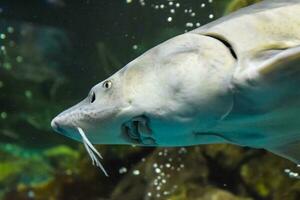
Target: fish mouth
point(138, 131)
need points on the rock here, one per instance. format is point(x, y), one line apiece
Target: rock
point(160, 174)
point(265, 178)
point(178, 173)
point(209, 172)
point(194, 192)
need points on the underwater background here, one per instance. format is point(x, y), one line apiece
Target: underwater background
point(53, 51)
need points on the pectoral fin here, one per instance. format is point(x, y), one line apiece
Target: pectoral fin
point(290, 151)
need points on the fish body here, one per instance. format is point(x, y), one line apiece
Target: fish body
point(235, 80)
point(265, 38)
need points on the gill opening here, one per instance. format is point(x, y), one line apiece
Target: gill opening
point(225, 42)
point(92, 151)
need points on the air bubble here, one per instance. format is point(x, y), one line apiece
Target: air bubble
point(19, 59)
point(122, 170)
point(28, 94)
point(3, 115)
point(2, 36)
point(158, 170)
point(10, 29)
point(189, 24)
point(135, 47)
point(136, 172)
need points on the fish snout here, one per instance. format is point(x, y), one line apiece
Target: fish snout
point(64, 126)
point(56, 126)
point(61, 123)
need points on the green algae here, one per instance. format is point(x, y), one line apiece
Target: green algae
point(237, 4)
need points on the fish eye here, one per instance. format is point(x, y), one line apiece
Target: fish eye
point(107, 84)
point(92, 97)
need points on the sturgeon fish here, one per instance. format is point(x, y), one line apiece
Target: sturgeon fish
point(235, 80)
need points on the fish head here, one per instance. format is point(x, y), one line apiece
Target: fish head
point(98, 114)
point(174, 87)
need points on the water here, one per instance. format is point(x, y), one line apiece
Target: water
point(52, 52)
